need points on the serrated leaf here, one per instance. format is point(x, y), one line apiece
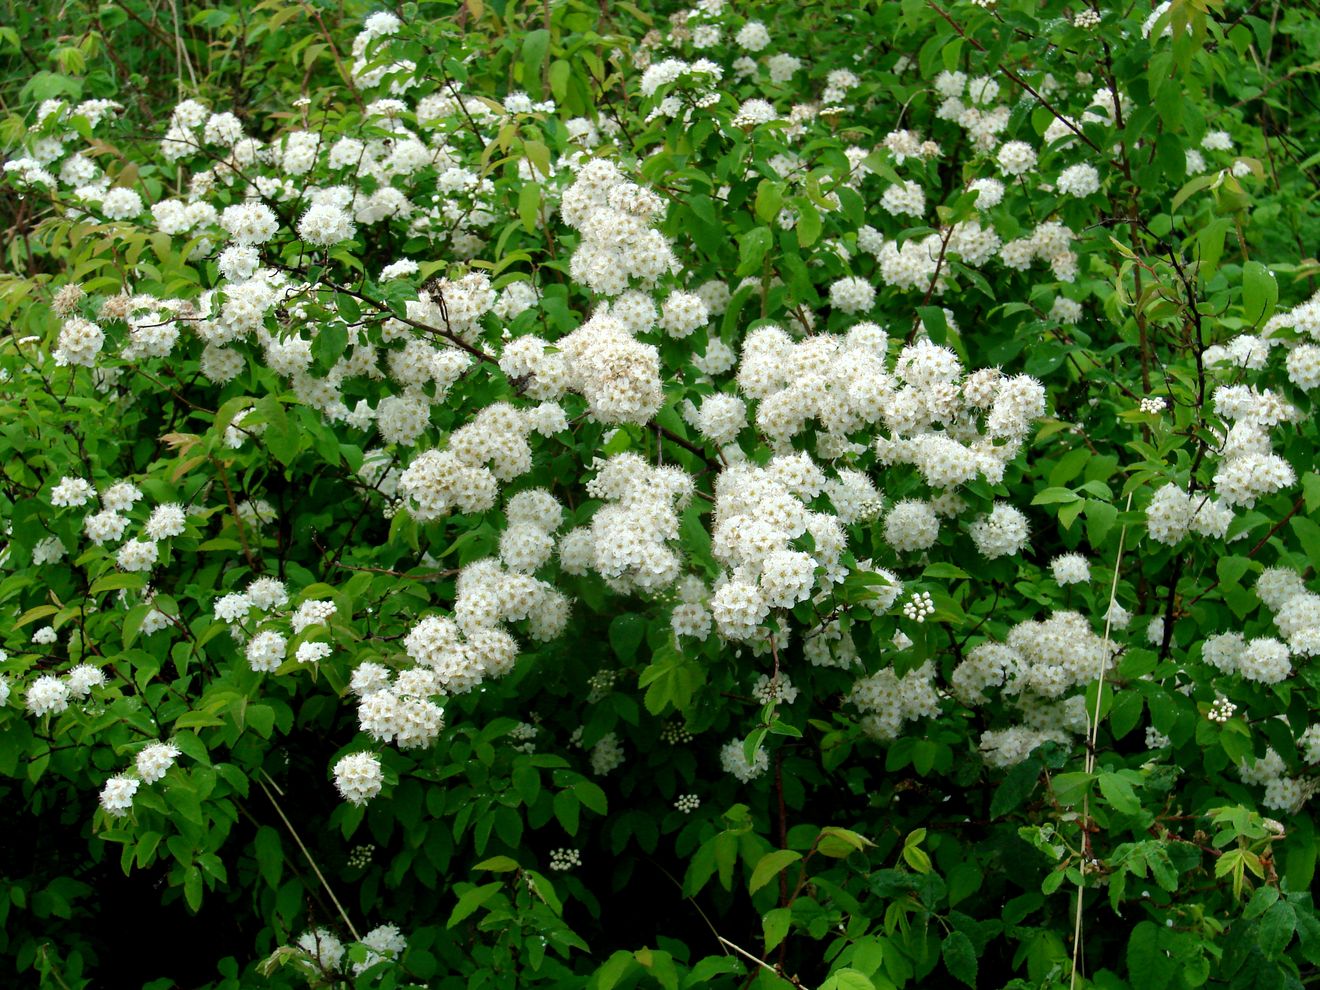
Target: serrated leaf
point(770, 866)
point(960, 957)
point(470, 900)
point(1119, 793)
point(498, 864)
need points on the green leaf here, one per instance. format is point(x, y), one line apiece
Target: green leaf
point(527, 782)
point(1119, 793)
point(1260, 292)
point(1147, 959)
point(348, 308)
point(270, 855)
point(774, 926)
point(770, 866)
point(614, 969)
point(847, 979)
point(626, 634)
point(1300, 854)
point(591, 796)
point(1125, 712)
point(769, 200)
point(529, 205)
point(470, 900)
point(960, 958)
point(192, 888)
point(935, 323)
point(330, 343)
point(498, 864)
point(1016, 787)
point(1051, 496)
point(280, 438)
point(535, 46)
point(1275, 929)
point(809, 224)
point(752, 249)
point(568, 810)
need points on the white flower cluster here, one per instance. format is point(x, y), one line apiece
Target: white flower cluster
point(733, 758)
point(1038, 665)
point(1248, 467)
point(614, 217)
point(1265, 659)
point(1046, 659)
point(49, 695)
point(1282, 792)
point(628, 541)
point(1173, 513)
point(453, 655)
point(759, 513)
point(465, 476)
point(617, 374)
point(887, 700)
point(565, 859)
point(152, 763)
point(358, 777)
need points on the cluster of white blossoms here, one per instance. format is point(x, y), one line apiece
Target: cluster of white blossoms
point(1282, 791)
point(1264, 658)
point(1038, 666)
point(358, 777)
point(1248, 468)
point(952, 427)
point(1070, 568)
point(112, 522)
point(778, 529)
point(1173, 513)
point(629, 539)
point(733, 758)
point(1303, 348)
point(887, 701)
point(325, 954)
point(466, 474)
point(259, 615)
point(153, 761)
point(618, 242)
point(760, 513)
point(454, 654)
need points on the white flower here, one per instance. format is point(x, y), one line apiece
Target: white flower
point(325, 224)
point(232, 608)
point(117, 795)
point(83, 678)
point(1078, 180)
point(47, 695)
point(312, 652)
point(166, 521)
point(137, 555)
point(358, 777)
point(1070, 568)
point(71, 492)
point(753, 36)
point(155, 759)
point(265, 651)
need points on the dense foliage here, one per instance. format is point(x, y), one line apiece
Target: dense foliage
point(594, 494)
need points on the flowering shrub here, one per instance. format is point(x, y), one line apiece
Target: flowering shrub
point(844, 473)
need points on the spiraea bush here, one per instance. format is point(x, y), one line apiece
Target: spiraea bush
point(605, 495)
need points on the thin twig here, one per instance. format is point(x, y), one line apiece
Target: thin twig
point(315, 869)
point(1092, 734)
